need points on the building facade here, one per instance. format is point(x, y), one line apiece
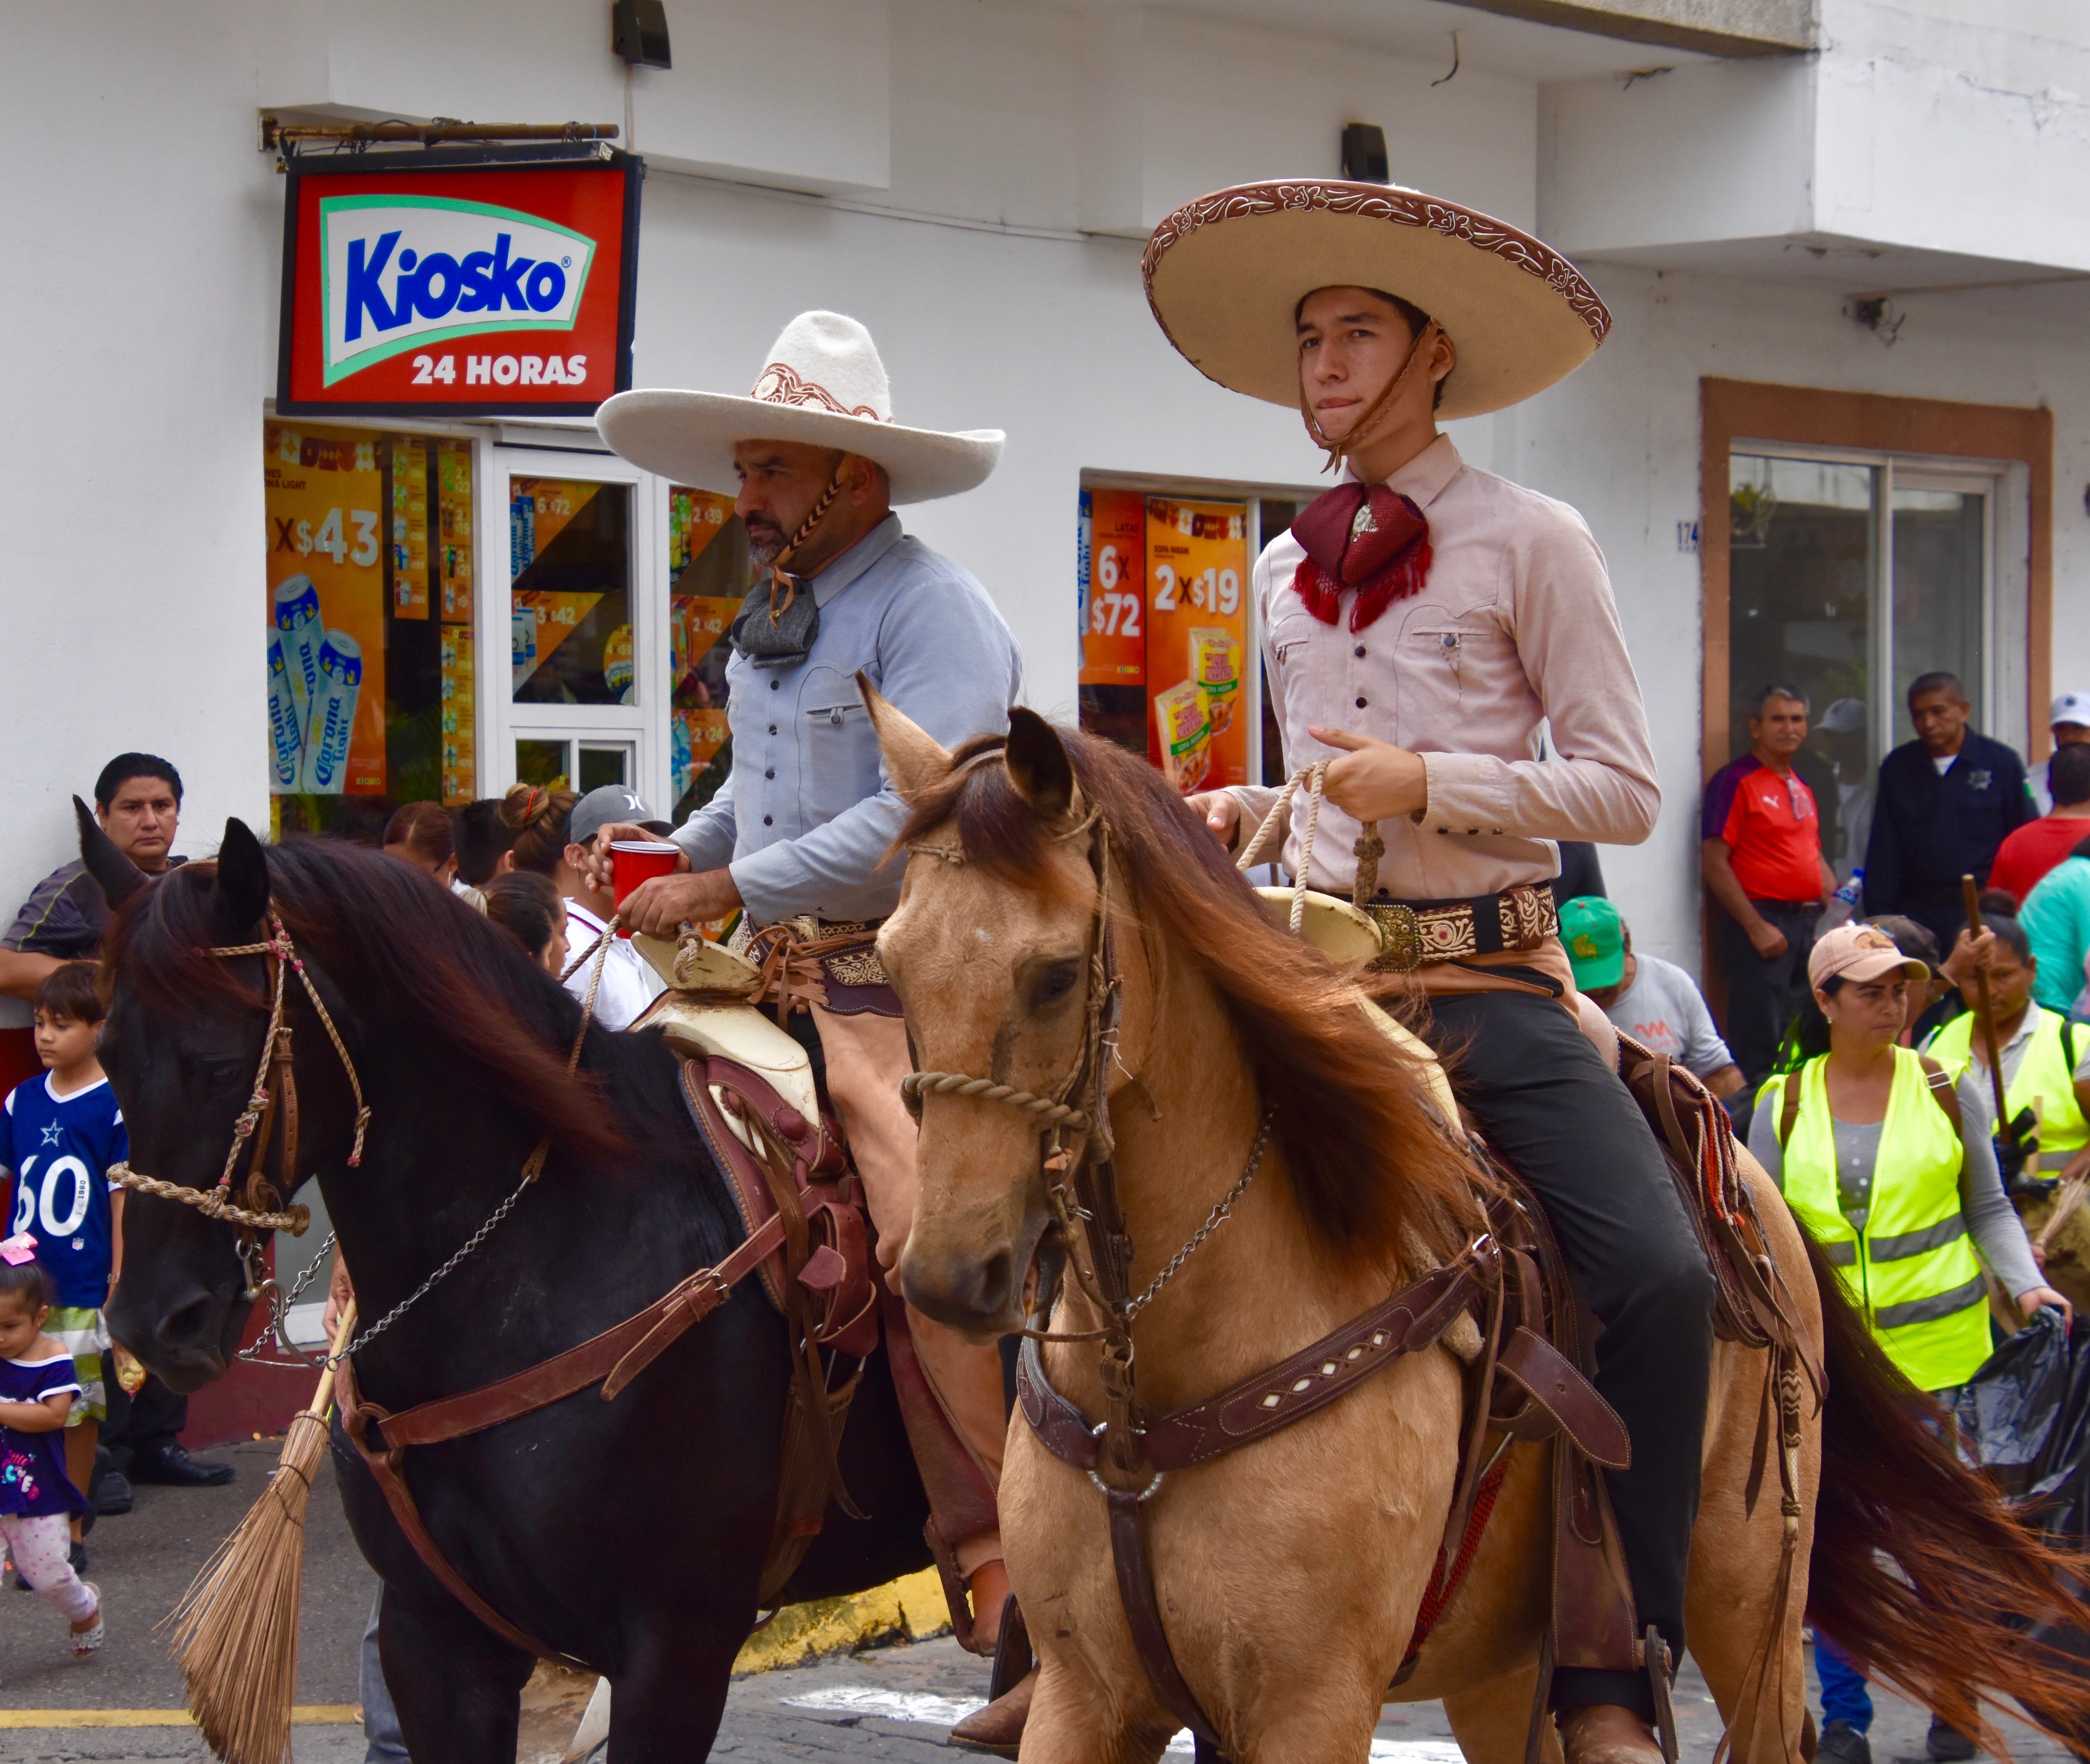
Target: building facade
point(1839, 431)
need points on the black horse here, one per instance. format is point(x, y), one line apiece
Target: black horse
point(628, 1534)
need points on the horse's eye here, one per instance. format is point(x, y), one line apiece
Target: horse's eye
point(1055, 984)
point(219, 1068)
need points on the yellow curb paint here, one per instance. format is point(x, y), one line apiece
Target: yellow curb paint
point(911, 1609)
point(316, 1715)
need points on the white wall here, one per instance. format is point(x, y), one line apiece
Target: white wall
point(142, 307)
point(130, 465)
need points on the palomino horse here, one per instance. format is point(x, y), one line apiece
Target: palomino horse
point(1289, 1574)
point(626, 1534)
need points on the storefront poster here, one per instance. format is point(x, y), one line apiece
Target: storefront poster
point(459, 281)
point(453, 477)
point(1197, 641)
point(409, 532)
point(1114, 633)
point(323, 496)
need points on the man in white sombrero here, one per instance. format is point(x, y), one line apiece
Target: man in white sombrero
point(1419, 622)
point(802, 827)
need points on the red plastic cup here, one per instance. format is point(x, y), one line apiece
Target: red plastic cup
point(636, 861)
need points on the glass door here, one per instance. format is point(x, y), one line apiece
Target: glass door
point(1849, 577)
point(581, 629)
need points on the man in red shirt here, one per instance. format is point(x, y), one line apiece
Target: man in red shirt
point(2035, 848)
point(1760, 851)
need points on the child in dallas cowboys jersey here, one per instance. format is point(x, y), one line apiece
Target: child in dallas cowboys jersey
point(63, 1131)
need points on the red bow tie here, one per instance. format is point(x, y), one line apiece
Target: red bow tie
point(1373, 539)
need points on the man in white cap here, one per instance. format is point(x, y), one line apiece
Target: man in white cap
point(1844, 736)
point(1421, 621)
point(2070, 721)
point(801, 829)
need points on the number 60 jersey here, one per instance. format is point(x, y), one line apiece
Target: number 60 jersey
point(58, 1150)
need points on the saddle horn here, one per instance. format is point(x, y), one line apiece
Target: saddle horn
point(120, 878)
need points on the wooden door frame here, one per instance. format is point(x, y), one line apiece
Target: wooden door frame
point(1870, 423)
point(1875, 423)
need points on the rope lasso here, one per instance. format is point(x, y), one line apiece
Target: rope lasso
point(1369, 848)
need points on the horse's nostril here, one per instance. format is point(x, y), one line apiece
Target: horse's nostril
point(178, 1328)
point(995, 1276)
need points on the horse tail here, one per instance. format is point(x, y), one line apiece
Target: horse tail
point(1945, 1623)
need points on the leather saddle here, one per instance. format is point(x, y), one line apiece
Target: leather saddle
point(750, 1093)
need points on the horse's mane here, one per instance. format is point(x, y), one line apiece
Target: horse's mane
point(416, 961)
point(1366, 1158)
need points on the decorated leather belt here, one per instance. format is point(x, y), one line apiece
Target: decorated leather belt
point(1416, 932)
point(843, 951)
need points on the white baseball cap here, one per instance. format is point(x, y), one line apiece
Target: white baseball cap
point(1847, 716)
point(2071, 707)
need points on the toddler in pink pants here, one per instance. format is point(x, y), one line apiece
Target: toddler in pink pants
point(37, 1501)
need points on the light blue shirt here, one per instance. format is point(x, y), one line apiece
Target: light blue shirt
point(805, 818)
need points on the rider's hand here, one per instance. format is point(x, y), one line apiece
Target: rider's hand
point(2038, 1297)
point(599, 859)
point(1767, 940)
point(659, 906)
point(1374, 780)
point(1220, 811)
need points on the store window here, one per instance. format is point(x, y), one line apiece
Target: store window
point(1169, 663)
point(569, 558)
point(708, 568)
point(370, 659)
point(1848, 579)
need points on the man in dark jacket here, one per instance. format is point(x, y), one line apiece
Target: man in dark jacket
point(1947, 799)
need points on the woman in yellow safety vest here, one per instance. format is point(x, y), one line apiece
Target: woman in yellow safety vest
point(1864, 1138)
point(2046, 1058)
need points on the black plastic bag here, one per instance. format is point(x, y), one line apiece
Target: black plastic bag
point(2024, 1417)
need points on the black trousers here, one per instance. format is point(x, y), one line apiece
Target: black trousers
point(1763, 995)
point(1570, 1129)
point(144, 1423)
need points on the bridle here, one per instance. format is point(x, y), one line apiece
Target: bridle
point(1081, 1183)
point(272, 1097)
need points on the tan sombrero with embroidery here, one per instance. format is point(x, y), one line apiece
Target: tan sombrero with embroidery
point(1225, 273)
point(823, 384)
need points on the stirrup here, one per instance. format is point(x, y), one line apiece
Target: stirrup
point(1656, 1652)
point(1012, 1655)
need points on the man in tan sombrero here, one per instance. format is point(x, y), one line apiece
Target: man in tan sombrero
point(801, 829)
point(1419, 622)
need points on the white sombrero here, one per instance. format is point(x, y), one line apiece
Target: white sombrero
point(1225, 273)
point(824, 385)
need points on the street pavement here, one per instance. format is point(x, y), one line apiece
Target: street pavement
point(891, 1704)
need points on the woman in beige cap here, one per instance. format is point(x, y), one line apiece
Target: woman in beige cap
point(1869, 1143)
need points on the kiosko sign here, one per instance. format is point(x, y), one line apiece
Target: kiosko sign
point(457, 284)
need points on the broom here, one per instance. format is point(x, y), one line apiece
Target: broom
point(236, 1627)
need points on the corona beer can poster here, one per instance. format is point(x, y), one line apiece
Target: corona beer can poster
point(456, 285)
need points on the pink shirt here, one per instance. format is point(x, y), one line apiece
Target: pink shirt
point(1515, 626)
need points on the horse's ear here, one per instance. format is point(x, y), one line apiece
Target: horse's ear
point(1039, 766)
point(915, 760)
point(242, 877)
point(120, 878)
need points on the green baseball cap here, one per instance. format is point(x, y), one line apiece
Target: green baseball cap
point(1596, 940)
